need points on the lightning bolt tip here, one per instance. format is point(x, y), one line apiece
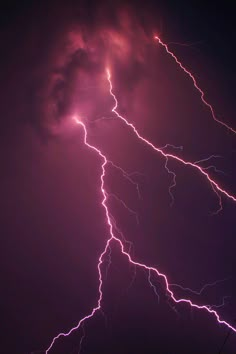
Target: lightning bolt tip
point(108, 72)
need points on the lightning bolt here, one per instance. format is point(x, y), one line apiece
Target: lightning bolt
point(197, 87)
point(113, 238)
point(113, 230)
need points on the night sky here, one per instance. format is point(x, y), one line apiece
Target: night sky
point(53, 64)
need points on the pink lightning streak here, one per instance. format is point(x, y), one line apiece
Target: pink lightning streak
point(217, 189)
point(190, 75)
point(215, 186)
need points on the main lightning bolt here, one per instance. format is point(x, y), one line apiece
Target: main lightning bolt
point(112, 229)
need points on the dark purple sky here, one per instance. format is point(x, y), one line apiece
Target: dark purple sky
point(53, 227)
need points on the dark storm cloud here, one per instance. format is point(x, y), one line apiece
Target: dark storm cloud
point(57, 52)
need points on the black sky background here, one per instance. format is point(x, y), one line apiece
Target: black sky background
point(52, 225)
